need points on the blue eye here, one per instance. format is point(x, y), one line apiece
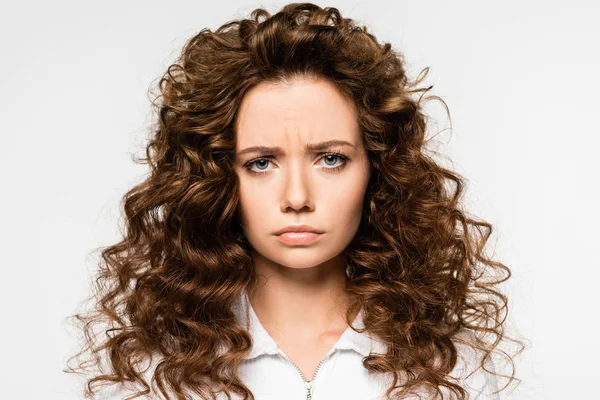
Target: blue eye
point(257, 162)
point(331, 155)
point(264, 160)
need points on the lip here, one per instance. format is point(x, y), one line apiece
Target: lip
point(299, 229)
point(298, 238)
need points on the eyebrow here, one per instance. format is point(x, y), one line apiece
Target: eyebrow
point(310, 147)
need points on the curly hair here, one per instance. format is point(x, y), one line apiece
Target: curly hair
point(417, 264)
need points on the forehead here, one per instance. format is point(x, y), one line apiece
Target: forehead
point(304, 110)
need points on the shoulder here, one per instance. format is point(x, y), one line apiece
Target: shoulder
point(468, 373)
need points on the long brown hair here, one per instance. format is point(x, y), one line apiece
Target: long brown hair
point(417, 264)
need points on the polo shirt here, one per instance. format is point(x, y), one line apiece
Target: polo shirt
point(271, 375)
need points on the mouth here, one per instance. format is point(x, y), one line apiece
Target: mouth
point(299, 238)
point(298, 229)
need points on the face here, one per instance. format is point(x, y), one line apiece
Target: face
point(296, 177)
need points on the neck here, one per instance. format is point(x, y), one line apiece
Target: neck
point(293, 302)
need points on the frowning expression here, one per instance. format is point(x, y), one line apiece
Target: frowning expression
point(300, 159)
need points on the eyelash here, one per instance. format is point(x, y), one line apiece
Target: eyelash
point(342, 156)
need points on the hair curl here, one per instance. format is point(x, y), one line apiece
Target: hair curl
point(416, 265)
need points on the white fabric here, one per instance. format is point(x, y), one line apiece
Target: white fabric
point(270, 376)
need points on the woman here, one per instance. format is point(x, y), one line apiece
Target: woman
point(293, 240)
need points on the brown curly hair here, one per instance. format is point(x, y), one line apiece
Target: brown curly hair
point(416, 265)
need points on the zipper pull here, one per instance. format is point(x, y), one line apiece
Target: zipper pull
point(309, 390)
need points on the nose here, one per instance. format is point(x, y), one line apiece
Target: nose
point(296, 194)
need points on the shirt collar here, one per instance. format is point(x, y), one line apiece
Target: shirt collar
point(362, 343)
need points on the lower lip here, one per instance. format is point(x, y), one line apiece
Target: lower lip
point(299, 237)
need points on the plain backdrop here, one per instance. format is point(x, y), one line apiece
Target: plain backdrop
point(521, 81)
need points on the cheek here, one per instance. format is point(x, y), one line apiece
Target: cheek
point(243, 206)
point(252, 204)
point(345, 202)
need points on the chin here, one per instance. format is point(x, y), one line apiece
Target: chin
point(301, 258)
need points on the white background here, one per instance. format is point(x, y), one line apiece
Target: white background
point(521, 81)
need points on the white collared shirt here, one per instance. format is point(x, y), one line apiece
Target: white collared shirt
point(271, 375)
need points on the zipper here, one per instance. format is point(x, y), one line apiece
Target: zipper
point(308, 385)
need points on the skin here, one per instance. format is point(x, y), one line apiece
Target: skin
point(301, 301)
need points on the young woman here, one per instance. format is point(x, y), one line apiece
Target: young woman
point(293, 240)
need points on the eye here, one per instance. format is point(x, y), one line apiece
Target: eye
point(334, 156)
point(263, 162)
